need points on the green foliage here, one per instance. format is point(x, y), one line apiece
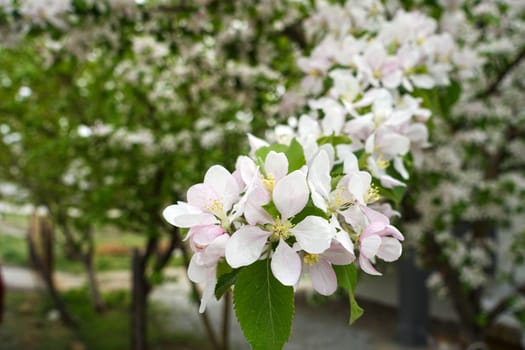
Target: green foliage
point(225, 281)
point(347, 279)
point(264, 307)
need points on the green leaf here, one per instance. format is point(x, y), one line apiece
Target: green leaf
point(262, 152)
point(272, 209)
point(225, 281)
point(309, 209)
point(295, 155)
point(395, 194)
point(334, 140)
point(347, 278)
point(263, 306)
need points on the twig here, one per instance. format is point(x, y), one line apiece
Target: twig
point(226, 321)
point(495, 84)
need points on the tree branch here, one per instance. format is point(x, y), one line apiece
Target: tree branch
point(493, 87)
point(504, 304)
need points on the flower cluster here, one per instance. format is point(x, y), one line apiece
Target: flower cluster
point(365, 84)
point(304, 216)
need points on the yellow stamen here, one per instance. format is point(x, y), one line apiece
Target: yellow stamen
point(377, 74)
point(372, 195)
point(382, 163)
point(281, 229)
point(269, 182)
point(311, 259)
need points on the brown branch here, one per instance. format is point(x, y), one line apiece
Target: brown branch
point(493, 87)
point(503, 304)
point(466, 305)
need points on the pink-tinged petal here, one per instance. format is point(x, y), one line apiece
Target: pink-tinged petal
point(369, 246)
point(373, 229)
point(314, 234)
point(355, 217)
point(323, 277)
point(367, 266)
point(204, 235)
point(339, 255)
point(276, 164)
point(286, 264)
point(390, 249)
point(290, 194)
point(245, 246)
point(185, 215)
point(392, 230)
point(224, 184)
point(375, 216)
point(344, 240)
point(319, 179)
point(202, 196)
point(217, 248)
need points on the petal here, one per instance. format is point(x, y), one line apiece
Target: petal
point(358, 185)
point(367, 266)
point(314, 234)
point(208, 294)
point(247, 168)
point(202, 196)
point(290, 194)
point(286, 264)
point(319, 177)
point(185, 215)
point(395, 232)
point(276, 164)
point(224, 184)
point(355, 217)
point(323, 277)
point(369, 246)
point(204, 235)
point(400, 167)
point(375, 216)
point(255, 143)
point(390, 249)
point(339, 255)
point(196, 272)
point(245, 246)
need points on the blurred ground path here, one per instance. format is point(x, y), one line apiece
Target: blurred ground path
point(316, 325)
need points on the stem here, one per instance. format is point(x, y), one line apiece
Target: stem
point(226, 321)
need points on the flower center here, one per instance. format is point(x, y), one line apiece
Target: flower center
point(216, 208)
point(372, 195)
point(281, 228)
point(269, 182)
point(338, 200)
point(311, 259)
point(382, 163)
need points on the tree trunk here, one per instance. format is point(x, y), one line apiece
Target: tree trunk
point(94, 289)
point(139, 305)
point(41, 254)
point(2, 296)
